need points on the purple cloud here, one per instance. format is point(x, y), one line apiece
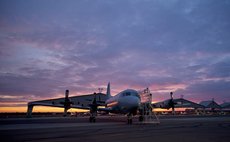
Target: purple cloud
point(49, 46)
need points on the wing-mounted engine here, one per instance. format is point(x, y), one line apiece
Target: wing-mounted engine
point(67, 102)
point(172, 103)
point(167, 104)
point(93, 108)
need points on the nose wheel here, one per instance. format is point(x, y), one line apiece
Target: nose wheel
point(92, 119)
point(141, 118)
point(130, 119)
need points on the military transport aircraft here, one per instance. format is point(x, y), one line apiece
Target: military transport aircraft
point(125, 102)
point(129, 102)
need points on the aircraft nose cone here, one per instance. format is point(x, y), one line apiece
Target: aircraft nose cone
point(129, 103)
point(134, 102)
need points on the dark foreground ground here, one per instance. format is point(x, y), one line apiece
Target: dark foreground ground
point(114, 129)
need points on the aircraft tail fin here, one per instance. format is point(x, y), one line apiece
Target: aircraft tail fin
point(108, 94)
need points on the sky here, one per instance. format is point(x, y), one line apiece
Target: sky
point(48, 46)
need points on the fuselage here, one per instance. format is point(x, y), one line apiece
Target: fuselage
point(127, 101)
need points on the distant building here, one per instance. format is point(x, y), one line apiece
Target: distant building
point(225, 105)
point(212, 105)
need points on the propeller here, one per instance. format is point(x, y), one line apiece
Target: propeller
point(94, 104)
point(67, 102)
point(93, 109)
point(172, 103)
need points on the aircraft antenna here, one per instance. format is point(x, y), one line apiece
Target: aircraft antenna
point(100, 90)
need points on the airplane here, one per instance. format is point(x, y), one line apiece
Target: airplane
point(126, 102)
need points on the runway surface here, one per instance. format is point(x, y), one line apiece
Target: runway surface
point(113, 129)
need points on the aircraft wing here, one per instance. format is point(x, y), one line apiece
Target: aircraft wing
point(183, 103)
point(58, 104)
point(178, 103)
point(80, 102)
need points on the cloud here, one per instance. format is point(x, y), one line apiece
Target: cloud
point(206, 90)
point(49, 46)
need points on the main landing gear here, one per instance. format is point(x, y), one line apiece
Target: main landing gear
point(141, 118)
point(92, 118)
point(93, 110)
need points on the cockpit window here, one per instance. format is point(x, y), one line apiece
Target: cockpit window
point(137, 95)
point(130, 94)
point(127, 94)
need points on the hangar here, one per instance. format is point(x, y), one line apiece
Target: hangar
point(183, 103)
point(210, 105)
point(225, 105)
point(204, 107)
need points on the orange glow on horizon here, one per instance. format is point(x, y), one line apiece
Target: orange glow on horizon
point(55, 109)
point(13, 109)
point(37, 109)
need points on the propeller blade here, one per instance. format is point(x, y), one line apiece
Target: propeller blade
point(94, 104)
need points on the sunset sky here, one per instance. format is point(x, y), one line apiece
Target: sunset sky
point(48, 46)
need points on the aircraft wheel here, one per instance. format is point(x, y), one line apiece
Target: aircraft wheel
point(130, 121)
point(141, 118)
point(91, 119)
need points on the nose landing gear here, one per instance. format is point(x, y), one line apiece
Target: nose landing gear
point(92, 119)
point(129, 119)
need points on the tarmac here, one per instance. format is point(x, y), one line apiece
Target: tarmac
point(115, 128)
